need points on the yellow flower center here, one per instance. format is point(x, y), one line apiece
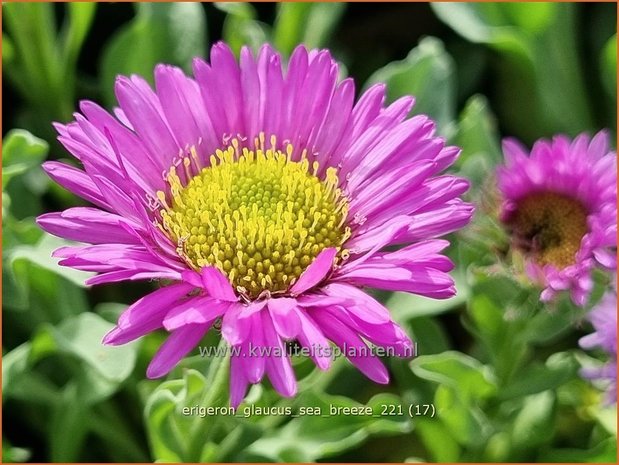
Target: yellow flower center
point(550, 227)
point(256, 215)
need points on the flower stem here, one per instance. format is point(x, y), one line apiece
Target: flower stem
point(216, 395)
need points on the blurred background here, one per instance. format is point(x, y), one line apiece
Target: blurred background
point(502, 370)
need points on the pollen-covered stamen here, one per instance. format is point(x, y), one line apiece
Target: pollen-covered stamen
point(550, 227)
point(258, 216)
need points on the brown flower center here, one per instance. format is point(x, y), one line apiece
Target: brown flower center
point(549, 227)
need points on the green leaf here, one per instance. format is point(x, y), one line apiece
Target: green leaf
point(604, 452)
point(468, 21)
point(240, 9)
point(472, 67)
point(242, 435)
point(32, 29)
point(428, 334)
point(241, 27)
point(496, 24)
point(102, 368)
point(21, 152)
point(216, 396)
point(14, 363)
point(22, 178)
point(165, 440)
point(498, 448)
point(15, 233)
point(37, 287)
point(67, 432)
point(464, 374)
point(19, 232)
point(175, 431)
point(12, 454)
point(438, 440)
point(463, 383)
point(478, 137)
point(8, 51)
point(321, 22)
point(551, 323)
point(535, 422)
point(492, 328)
point(40, 256)
point(77, 25)
point(535, 378)
point(507, 317)
point(465, 421)
point(533, 18)
point(540, 85)
point(288, 27)
point(110, 311)
point(606, 415)
point(608, 67)
point(308, 438)
point(20, 382)
point(43, 75)
point(101, 371)
point(560, 77)
point(171, 33)
point(120, 436)
point(428, 74)
point(308, 23)
point(81, 337)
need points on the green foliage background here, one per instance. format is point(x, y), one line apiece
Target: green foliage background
point(500, 369)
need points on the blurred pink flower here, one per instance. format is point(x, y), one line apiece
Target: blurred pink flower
point(604, 320)
point(560, 203)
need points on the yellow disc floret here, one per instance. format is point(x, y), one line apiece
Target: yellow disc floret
point(550, 227)
point(258, 216)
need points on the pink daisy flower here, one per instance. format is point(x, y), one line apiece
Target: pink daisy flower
point(560, 204)
point(604, 319)
point(266, 199)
